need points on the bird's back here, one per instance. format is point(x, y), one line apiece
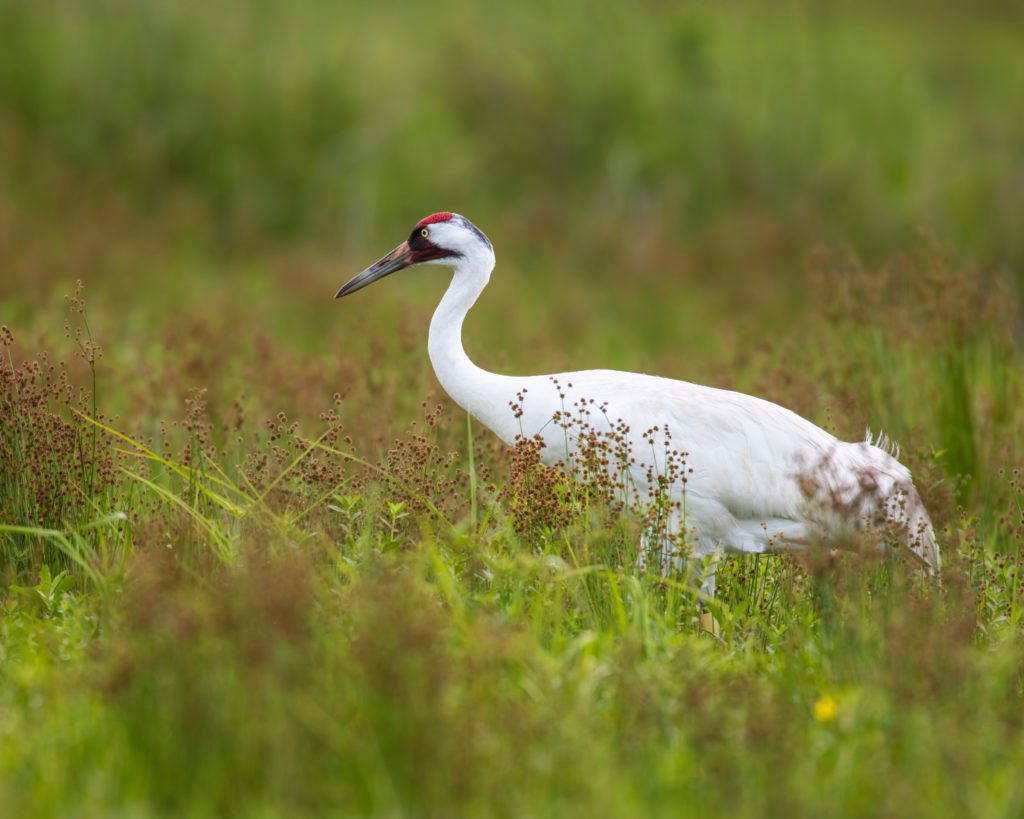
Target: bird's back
point(743, 450)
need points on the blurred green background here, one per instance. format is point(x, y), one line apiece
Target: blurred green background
point(579, 132)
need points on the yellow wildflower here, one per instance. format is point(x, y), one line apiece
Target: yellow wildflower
point(826, 709)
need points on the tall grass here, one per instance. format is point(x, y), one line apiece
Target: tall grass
point(278, 624)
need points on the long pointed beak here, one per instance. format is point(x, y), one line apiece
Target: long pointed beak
point(398, 258)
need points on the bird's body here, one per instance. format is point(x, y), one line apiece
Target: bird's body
point(758, 476)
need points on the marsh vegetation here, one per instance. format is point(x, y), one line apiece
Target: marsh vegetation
point(254, 563)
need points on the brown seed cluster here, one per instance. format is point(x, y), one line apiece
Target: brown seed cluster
point(55, 466)
point(537, 496)
point(600, 477)
point(312, 467)
point(422, 470)
point(995, 564)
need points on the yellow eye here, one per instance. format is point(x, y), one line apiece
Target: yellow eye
point(424, 233)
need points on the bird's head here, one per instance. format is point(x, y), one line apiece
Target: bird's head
point(441, 238)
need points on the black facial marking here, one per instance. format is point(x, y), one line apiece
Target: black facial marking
point(418, 242)
point(423, 250)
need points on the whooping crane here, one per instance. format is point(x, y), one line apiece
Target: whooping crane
point(750, 462)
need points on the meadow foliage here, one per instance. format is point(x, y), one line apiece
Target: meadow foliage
point(254, 563)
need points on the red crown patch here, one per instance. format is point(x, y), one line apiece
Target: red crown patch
point(443, 216)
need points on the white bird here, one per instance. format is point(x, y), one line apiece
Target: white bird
point(758, 476)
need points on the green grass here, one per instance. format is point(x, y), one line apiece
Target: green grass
point(253, 563)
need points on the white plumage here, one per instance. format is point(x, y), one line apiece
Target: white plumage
point(759, 477)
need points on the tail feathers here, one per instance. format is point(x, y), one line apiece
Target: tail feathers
point(908, 521)
point(904, 507)
point(883, 442)
point(864, 486)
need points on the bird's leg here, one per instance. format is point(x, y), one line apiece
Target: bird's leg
point(709, 624)
point(645, 547)
point(655, 545)
point(708, 567)
point(669, 560)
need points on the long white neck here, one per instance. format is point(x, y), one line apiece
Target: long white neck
point(482, 394)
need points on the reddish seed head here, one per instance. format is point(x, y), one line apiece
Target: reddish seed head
point(443, 216)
